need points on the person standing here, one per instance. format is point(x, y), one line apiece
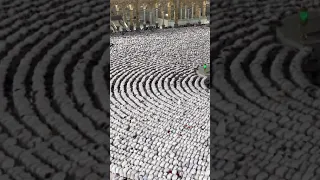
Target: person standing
point(205, 68)
point(304, 16)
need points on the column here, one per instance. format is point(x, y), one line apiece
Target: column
point(181, 14)
point(192, 11)
point(188, 16)
point(123, 11)
point(124, 17)
point(196, 13)
point(176, 14)
point(150, 17)
point(131, 19)
point(117, 9)
point(185, 12)
point(137, 8)
point(199, 15)
point(117, 13)
point(163, 26)
point(169, 11)
point(144, 17)
point(204, 14)
point(157, 11)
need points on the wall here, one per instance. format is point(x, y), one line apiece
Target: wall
point(182, 21)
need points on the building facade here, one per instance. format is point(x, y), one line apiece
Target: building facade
point(160, 13)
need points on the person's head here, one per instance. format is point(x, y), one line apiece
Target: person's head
point(303, 8)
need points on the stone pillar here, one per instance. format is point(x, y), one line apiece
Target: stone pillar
point(163, 26)
point(169, 11)
point(124, 15)
point(137, 8)
point(204, 12)
point(131, 19)
point(157, 12)
point(199, 15)
point(176, 14)
point(185, 12)
point(117, 9)
point(181, 14)
point(188, 17)
point(150, 17)
point(196, 12)
point(192, 11)
point(144, 18)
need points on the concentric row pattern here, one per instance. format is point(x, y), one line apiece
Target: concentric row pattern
point(259, 92)
point(53, 92)
point(159, 106)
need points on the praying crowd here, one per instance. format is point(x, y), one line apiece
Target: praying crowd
point(159, 105)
